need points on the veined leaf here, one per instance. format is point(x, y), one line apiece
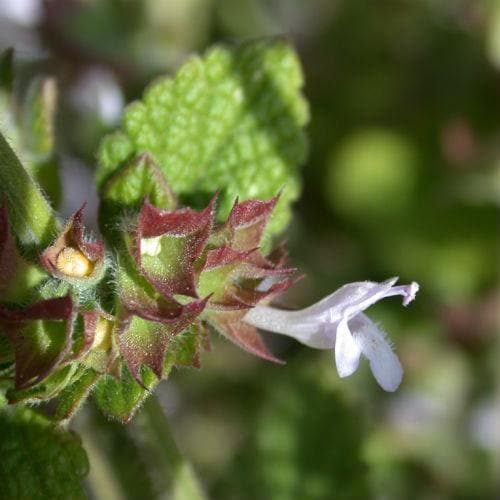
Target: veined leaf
point(231, 121)
point(39, 459)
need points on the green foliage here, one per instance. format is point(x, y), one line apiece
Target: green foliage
point(39, 460)
point(229, 121)
point(424, 74)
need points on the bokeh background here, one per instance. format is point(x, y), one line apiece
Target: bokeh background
point(403, 178)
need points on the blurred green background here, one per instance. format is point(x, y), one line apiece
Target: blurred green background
point(403, 178)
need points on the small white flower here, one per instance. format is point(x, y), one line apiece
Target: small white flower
point(338, 322)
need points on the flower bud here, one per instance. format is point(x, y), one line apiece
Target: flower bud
point(102, 334)
point(72, 257)
point(74, 263)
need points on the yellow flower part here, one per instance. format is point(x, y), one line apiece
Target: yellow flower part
point(74, 263)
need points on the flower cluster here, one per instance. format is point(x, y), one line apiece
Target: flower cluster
point(182, 272)
point(176, 275)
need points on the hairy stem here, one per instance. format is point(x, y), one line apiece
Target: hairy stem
point(155, 430)
point(32, 218)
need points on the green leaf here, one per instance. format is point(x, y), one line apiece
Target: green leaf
point(39, 460)
point(231, 120)
point(144, 343)
point(120, 399)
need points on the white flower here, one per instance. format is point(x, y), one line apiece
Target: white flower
point(338, 321)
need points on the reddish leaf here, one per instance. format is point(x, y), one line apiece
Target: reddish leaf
point(247, 221)
point(145, 342)
point(154, 309)
point(254, 296)
point(224, 256)
point(139, 297)
point(90, 319)
point(245, 336)
point(279, 256)
point(183, 235)
point(219, 276)
point(37, 339)
point(51, 309)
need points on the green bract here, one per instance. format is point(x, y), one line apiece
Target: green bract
point(230, 121)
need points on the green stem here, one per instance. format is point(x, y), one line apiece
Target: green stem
point(183, 484)
point(31, 216)
point(102, 479)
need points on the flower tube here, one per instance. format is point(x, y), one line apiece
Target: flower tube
point(338, 321)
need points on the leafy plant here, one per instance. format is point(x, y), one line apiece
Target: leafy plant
point(113, 316)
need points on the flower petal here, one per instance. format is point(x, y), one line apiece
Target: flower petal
point(347, 351)
point(348, 300)
point(384, 364)
point(407, 291)
point(316, 335)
